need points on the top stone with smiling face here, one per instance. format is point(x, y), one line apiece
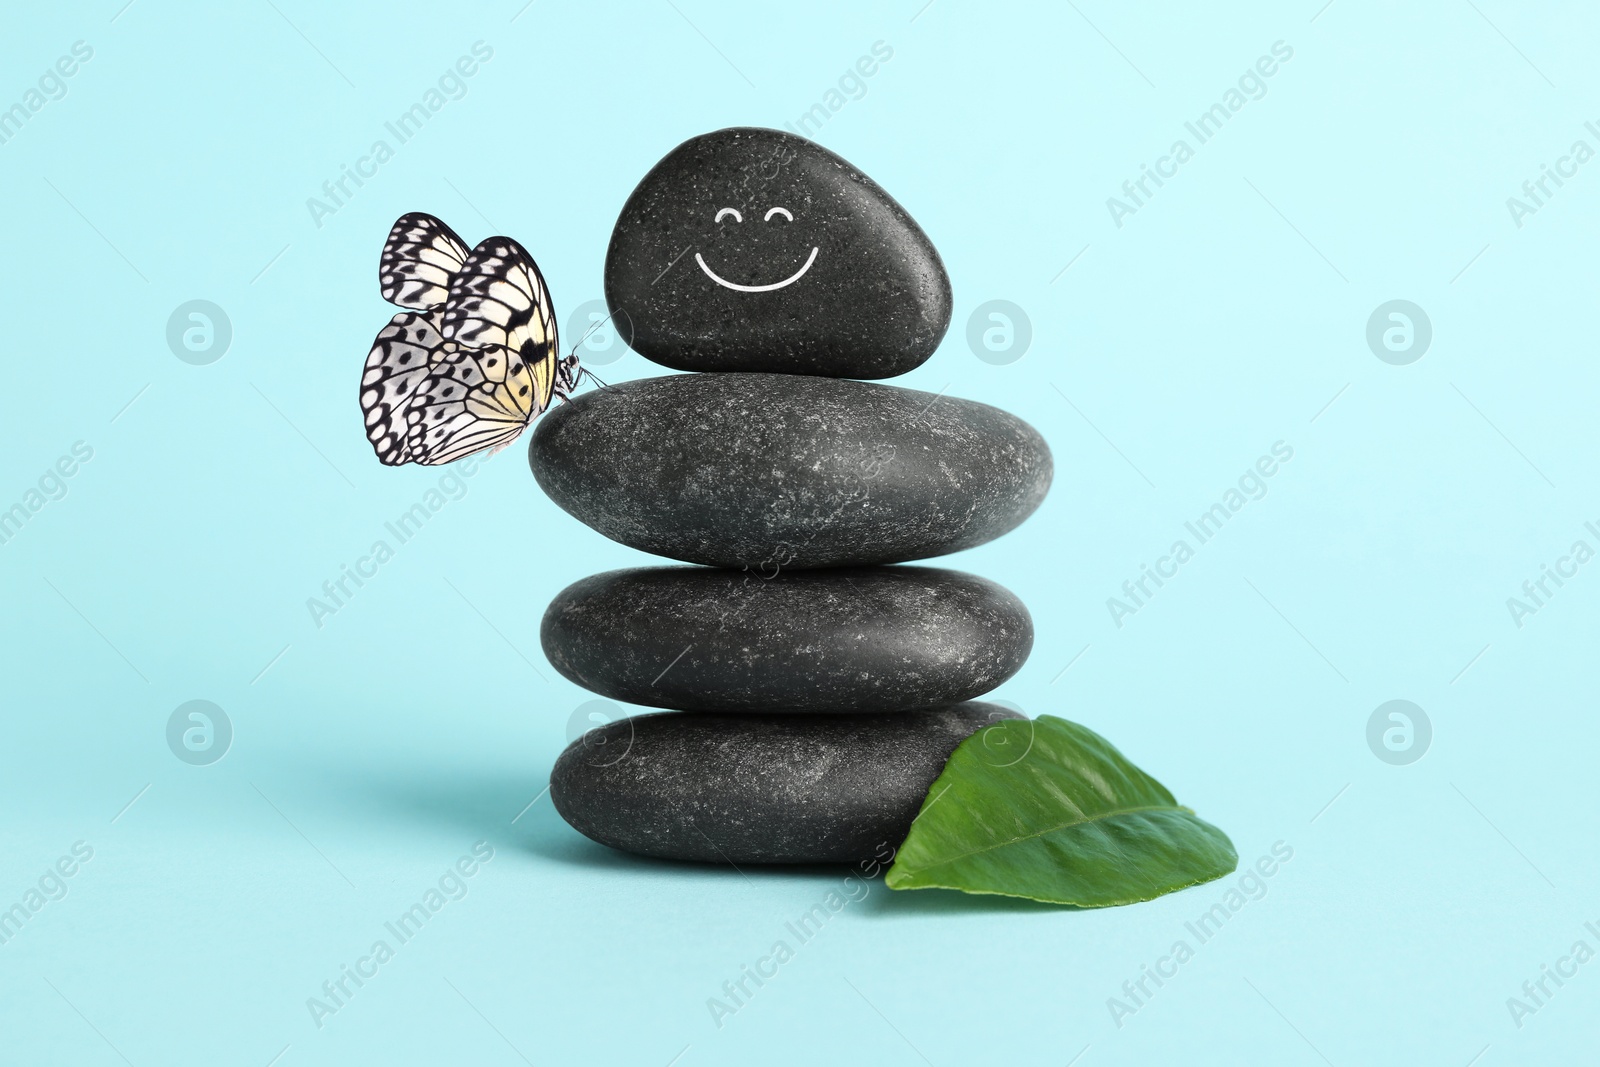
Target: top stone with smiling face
point(756, 250)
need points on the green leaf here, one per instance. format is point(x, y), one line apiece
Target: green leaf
point(1049, 810)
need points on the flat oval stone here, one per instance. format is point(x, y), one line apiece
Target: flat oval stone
point(860, 639)
point(780, 471)
point(757, 250)
point(739, 789)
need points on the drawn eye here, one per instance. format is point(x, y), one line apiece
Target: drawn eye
point(778, 211)
point(728, 211)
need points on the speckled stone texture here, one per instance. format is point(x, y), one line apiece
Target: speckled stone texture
point(747, 789)
point(860, 639)
point(779, 471)
point(873, 302)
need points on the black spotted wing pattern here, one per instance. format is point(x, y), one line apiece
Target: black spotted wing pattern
point(419, 259)
point(499, 298)
point(471, 399)
point(401, 358)
point(474, 362)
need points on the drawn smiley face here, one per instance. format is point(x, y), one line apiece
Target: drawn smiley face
point(783, 216)
point(757, 250)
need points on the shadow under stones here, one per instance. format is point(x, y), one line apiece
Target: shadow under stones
point(496, 806)
point(510, 810)
point(549, 837)
point(513, 810)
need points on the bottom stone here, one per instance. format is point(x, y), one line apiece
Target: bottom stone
point(747, 788)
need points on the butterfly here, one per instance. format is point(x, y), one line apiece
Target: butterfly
point(473, 361)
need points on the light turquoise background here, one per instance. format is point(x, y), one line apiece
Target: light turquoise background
point(1228, 313)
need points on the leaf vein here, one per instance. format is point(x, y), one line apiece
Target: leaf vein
point(1053, 829)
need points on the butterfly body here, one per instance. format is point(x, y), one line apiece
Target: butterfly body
point(474, 361)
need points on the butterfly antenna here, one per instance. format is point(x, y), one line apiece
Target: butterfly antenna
point(590, 331)
point(585, 372)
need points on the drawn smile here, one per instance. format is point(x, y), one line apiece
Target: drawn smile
point(790, 280)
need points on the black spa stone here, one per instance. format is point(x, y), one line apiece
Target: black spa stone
point(757, 250)
point(859, 639)
point(746, 789)
point(779, 471)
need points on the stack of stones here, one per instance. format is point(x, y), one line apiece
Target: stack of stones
point(817, 690)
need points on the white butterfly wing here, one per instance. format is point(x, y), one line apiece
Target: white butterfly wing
point(471, 400)
point(499, 298)
point(401, 358)
point(475, 364)
point(419, 259)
